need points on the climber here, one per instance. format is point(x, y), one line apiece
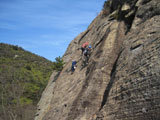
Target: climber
point(84, 46)
point(86, 55)
point(74, 65)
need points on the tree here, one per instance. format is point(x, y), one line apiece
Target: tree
point(58, 65)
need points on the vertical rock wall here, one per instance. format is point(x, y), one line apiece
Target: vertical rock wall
point(135, 92)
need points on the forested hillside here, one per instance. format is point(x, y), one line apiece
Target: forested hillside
point(23, 77)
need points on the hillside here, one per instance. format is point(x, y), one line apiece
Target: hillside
point(122, 78)
point(23, 77)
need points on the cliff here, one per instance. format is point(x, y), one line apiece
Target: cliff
point(122, 79)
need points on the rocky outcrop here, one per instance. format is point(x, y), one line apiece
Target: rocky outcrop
point(121, 81)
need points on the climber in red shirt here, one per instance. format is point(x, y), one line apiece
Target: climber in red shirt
point(84, 46)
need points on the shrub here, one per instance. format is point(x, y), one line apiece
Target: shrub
point(15, 47)
point(106, 8)
point(28, 67)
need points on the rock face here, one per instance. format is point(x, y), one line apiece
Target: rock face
point(44, 103)
point(122, 79)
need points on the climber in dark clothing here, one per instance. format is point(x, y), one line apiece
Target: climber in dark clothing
point(74, 65)
point(86, 55)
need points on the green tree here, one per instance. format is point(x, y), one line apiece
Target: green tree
point(58, 65)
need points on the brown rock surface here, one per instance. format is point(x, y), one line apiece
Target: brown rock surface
point(122, 79)
point(44, 103)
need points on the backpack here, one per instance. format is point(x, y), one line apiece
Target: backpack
point(85, 52)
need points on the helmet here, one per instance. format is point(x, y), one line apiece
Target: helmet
point(89, 46)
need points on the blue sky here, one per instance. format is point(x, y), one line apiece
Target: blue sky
point(45, 27)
